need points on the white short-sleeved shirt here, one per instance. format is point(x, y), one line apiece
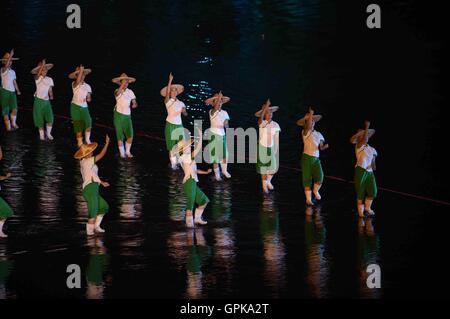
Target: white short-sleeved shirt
point(174, 109)
point(43, 84)
point(217, 122)
point(189, 167)
point(267, 132)
point(89, 171)
point(8, 78)
point(364, 157)
point(123, 102)
point(311, 143)
point(80, 94)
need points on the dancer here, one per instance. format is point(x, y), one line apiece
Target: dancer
point(311, 166)
point(174, 130)
point(8, 97)
point(122, 114)
point(5, 210)
point(79, 111)
point(269, 132)
point(193, 193)
point(218, 152)
point(97, 206)
point(365, 183)
point(42, 108)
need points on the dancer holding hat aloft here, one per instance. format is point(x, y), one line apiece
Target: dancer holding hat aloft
point(193, 193)
point(311, 166)
point(218, 152)
point(42, 108)
point(174, 130)
point(5, 210)
point(268, 145)
point(365, 183)
point(79, 110)
point(122, 114)
point(8, 97)
point(97, 206)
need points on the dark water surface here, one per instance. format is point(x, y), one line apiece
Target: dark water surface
point(298, 53)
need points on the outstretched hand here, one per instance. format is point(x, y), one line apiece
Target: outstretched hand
point(107, 139)
point(105, 184)
point(170, 77)
point(367, 124)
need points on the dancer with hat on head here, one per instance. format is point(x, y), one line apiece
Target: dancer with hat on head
point(79, 110)
point(311, 166)
point(194, 194)
point(217, 147)
point(174, 130)
point(42, 108)
point(365, 183)
point(97, 206)
point(5, 210)
point(122, 114)
point(8, 97)
point(268, 145)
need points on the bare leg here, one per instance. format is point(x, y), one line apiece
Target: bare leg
point(87, 135)
point(308, 195)
point(264, 184)
point(79, 139)
point(14, 119)
point(217, 172)
point(7, 122)
point(198, 215)
point(189, 219)
point(49, 132)
point(121, 149)
point(360, 207)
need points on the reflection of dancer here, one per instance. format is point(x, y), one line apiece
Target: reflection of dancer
point(174, 130)
point(311, 166)
point(193, 193)
point(268, 145)
point(8, 97)
point(197, 252)
point(5, 210)
point(97, 206)
point(315, 236)
point(6, 266)
point(274, 250)
point(79, 111)
point(98, 262)
point(218, 146)
point(365, 183)
point(368, 252)
point(42, 108)
point(122, 114)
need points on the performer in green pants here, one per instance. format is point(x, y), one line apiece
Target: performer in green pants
point(5, 210)
point(79, 109)
point(268, 146)
point(97, 206)
point(9, 91)
point(313, 143)
point(122, 114)
point(217, 147)
point(42, 108)
point(365, 183)
point(174, 130)
point(194, 194)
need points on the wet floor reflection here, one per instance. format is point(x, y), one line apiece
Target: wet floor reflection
point(6, 267)
point(274, 249)
point(368, 253)
point(128, 191)
point(47, 174)
point(176, 200)
point(317, 263)
point(96, 269)
point(224, 237)
point(189, 251)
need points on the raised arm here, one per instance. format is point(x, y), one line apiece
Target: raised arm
point(120, 90)
point(169, 87)
point(364, 139)
point(104, 150)
point(80, 76)
point(198, 147)
point(308, 123)
point(263, 113)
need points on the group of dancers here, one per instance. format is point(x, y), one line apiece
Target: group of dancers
point(178, 143)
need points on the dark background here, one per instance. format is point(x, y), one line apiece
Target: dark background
point(298, 53)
